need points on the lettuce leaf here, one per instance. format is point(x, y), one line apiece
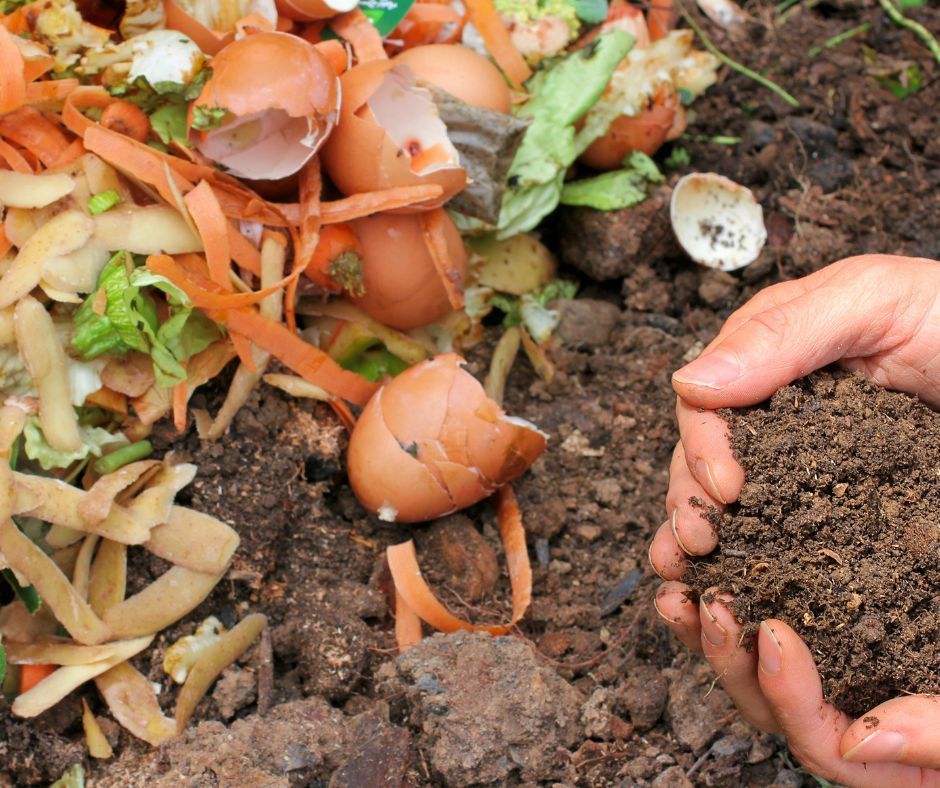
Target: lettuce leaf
point(561, 93)
point(94, 441)
point(130, 321)
point(615, 190)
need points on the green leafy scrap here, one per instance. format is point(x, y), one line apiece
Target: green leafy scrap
point(208, 118)
point(561, 93)
point(165, 103)
point(130, 321)
point(615, 190)
point(591, 11)
point(94, 441)
point(28, 595)
point(375, 363)
point(531, 311)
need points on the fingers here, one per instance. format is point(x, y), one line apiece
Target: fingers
point(693, 533)
point(664, 554)
point(735, 666)
point(903, 730)
point(680, 613)
point(814, 729)
point(707, 451)
point(851, 310)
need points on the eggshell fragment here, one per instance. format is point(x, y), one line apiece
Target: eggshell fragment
point(460, 71)
point(431, 442)
point(718, 222)
point(211, 23)
point(645, 132)
point(402, 287)
point(390, 135)
point(276, 118)
point(311, 10)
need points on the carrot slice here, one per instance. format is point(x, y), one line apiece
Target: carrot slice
point(407, 625)
point(31, 130)
point(204, 293)
point(180, 399)
point(365, 40)
point(367, 203)
point(127, 119)
point(335, 53)
point(213, 229)
point(432, 227)
point(14, 159)
point(50, 90)
point(134, 159)
point(487, 20)
point(661, 18)
point(311, 363)
point(80, 99)
point(410, 585)
point(12, 78)
point(31, 675)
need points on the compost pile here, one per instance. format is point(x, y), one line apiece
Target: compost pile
point(836, 532)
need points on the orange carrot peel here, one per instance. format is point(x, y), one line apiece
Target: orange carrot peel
point(415, 598)
point(486, 19)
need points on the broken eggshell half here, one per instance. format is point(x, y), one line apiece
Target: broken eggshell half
point(718, 222)
point(275, 118)
point(390, 135)
point(431, 442)
point(312, 10)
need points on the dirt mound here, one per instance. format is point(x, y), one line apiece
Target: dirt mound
point(837, 532)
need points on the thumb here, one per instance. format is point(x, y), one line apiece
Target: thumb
point(776, 346)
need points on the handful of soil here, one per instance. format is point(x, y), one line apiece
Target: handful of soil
point(837, 533)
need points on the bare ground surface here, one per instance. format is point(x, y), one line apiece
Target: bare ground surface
point(591, 690)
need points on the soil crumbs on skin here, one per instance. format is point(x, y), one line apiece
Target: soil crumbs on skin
point(837, 533)
point(854, 169)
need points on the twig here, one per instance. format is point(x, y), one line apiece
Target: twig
point(839, 39)
point(915, 27)
point(733, 64)
point(265, 673)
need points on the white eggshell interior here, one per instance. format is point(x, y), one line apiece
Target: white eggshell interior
point(718, 222)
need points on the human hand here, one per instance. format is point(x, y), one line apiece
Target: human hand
point(876, 313)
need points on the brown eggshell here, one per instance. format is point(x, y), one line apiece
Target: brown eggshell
point(402, 286)
point(468, 453)
point(288, 113)
point(645, 132)
point(364, 157)
point(461, 72)
point(311, 10)
point(386, 478)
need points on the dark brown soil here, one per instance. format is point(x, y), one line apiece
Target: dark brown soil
point(853, 169)
point(837, 533)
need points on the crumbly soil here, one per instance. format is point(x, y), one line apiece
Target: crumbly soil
point(591, 690)
point(836, 533)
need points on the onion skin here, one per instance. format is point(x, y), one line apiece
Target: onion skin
point(431, 442)
point(363, 157)
point(402, 287)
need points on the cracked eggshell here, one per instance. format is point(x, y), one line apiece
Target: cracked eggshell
point(211, 23)
point(402, 287)
point(276, 118)
point(718, 222)
point(390, 135)
point(431, 442)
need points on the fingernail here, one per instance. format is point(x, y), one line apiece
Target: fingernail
point(712, 371)
point(675, 532)
point(769, 653)
point(714, 632)
point(703, 473)
point(879, 746)
point(649, 557)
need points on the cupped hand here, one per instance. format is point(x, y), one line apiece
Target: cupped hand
point(875, 313)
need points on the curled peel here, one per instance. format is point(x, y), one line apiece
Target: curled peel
point(415, 602)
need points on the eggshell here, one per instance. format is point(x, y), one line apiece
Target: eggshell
point(277, 117)
point(385, 122)
point(461, 72)
point(468, 452)
point(311, 10)
point(645, 132)
point(402, 286)
point(205, 32)
point(718, 222)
